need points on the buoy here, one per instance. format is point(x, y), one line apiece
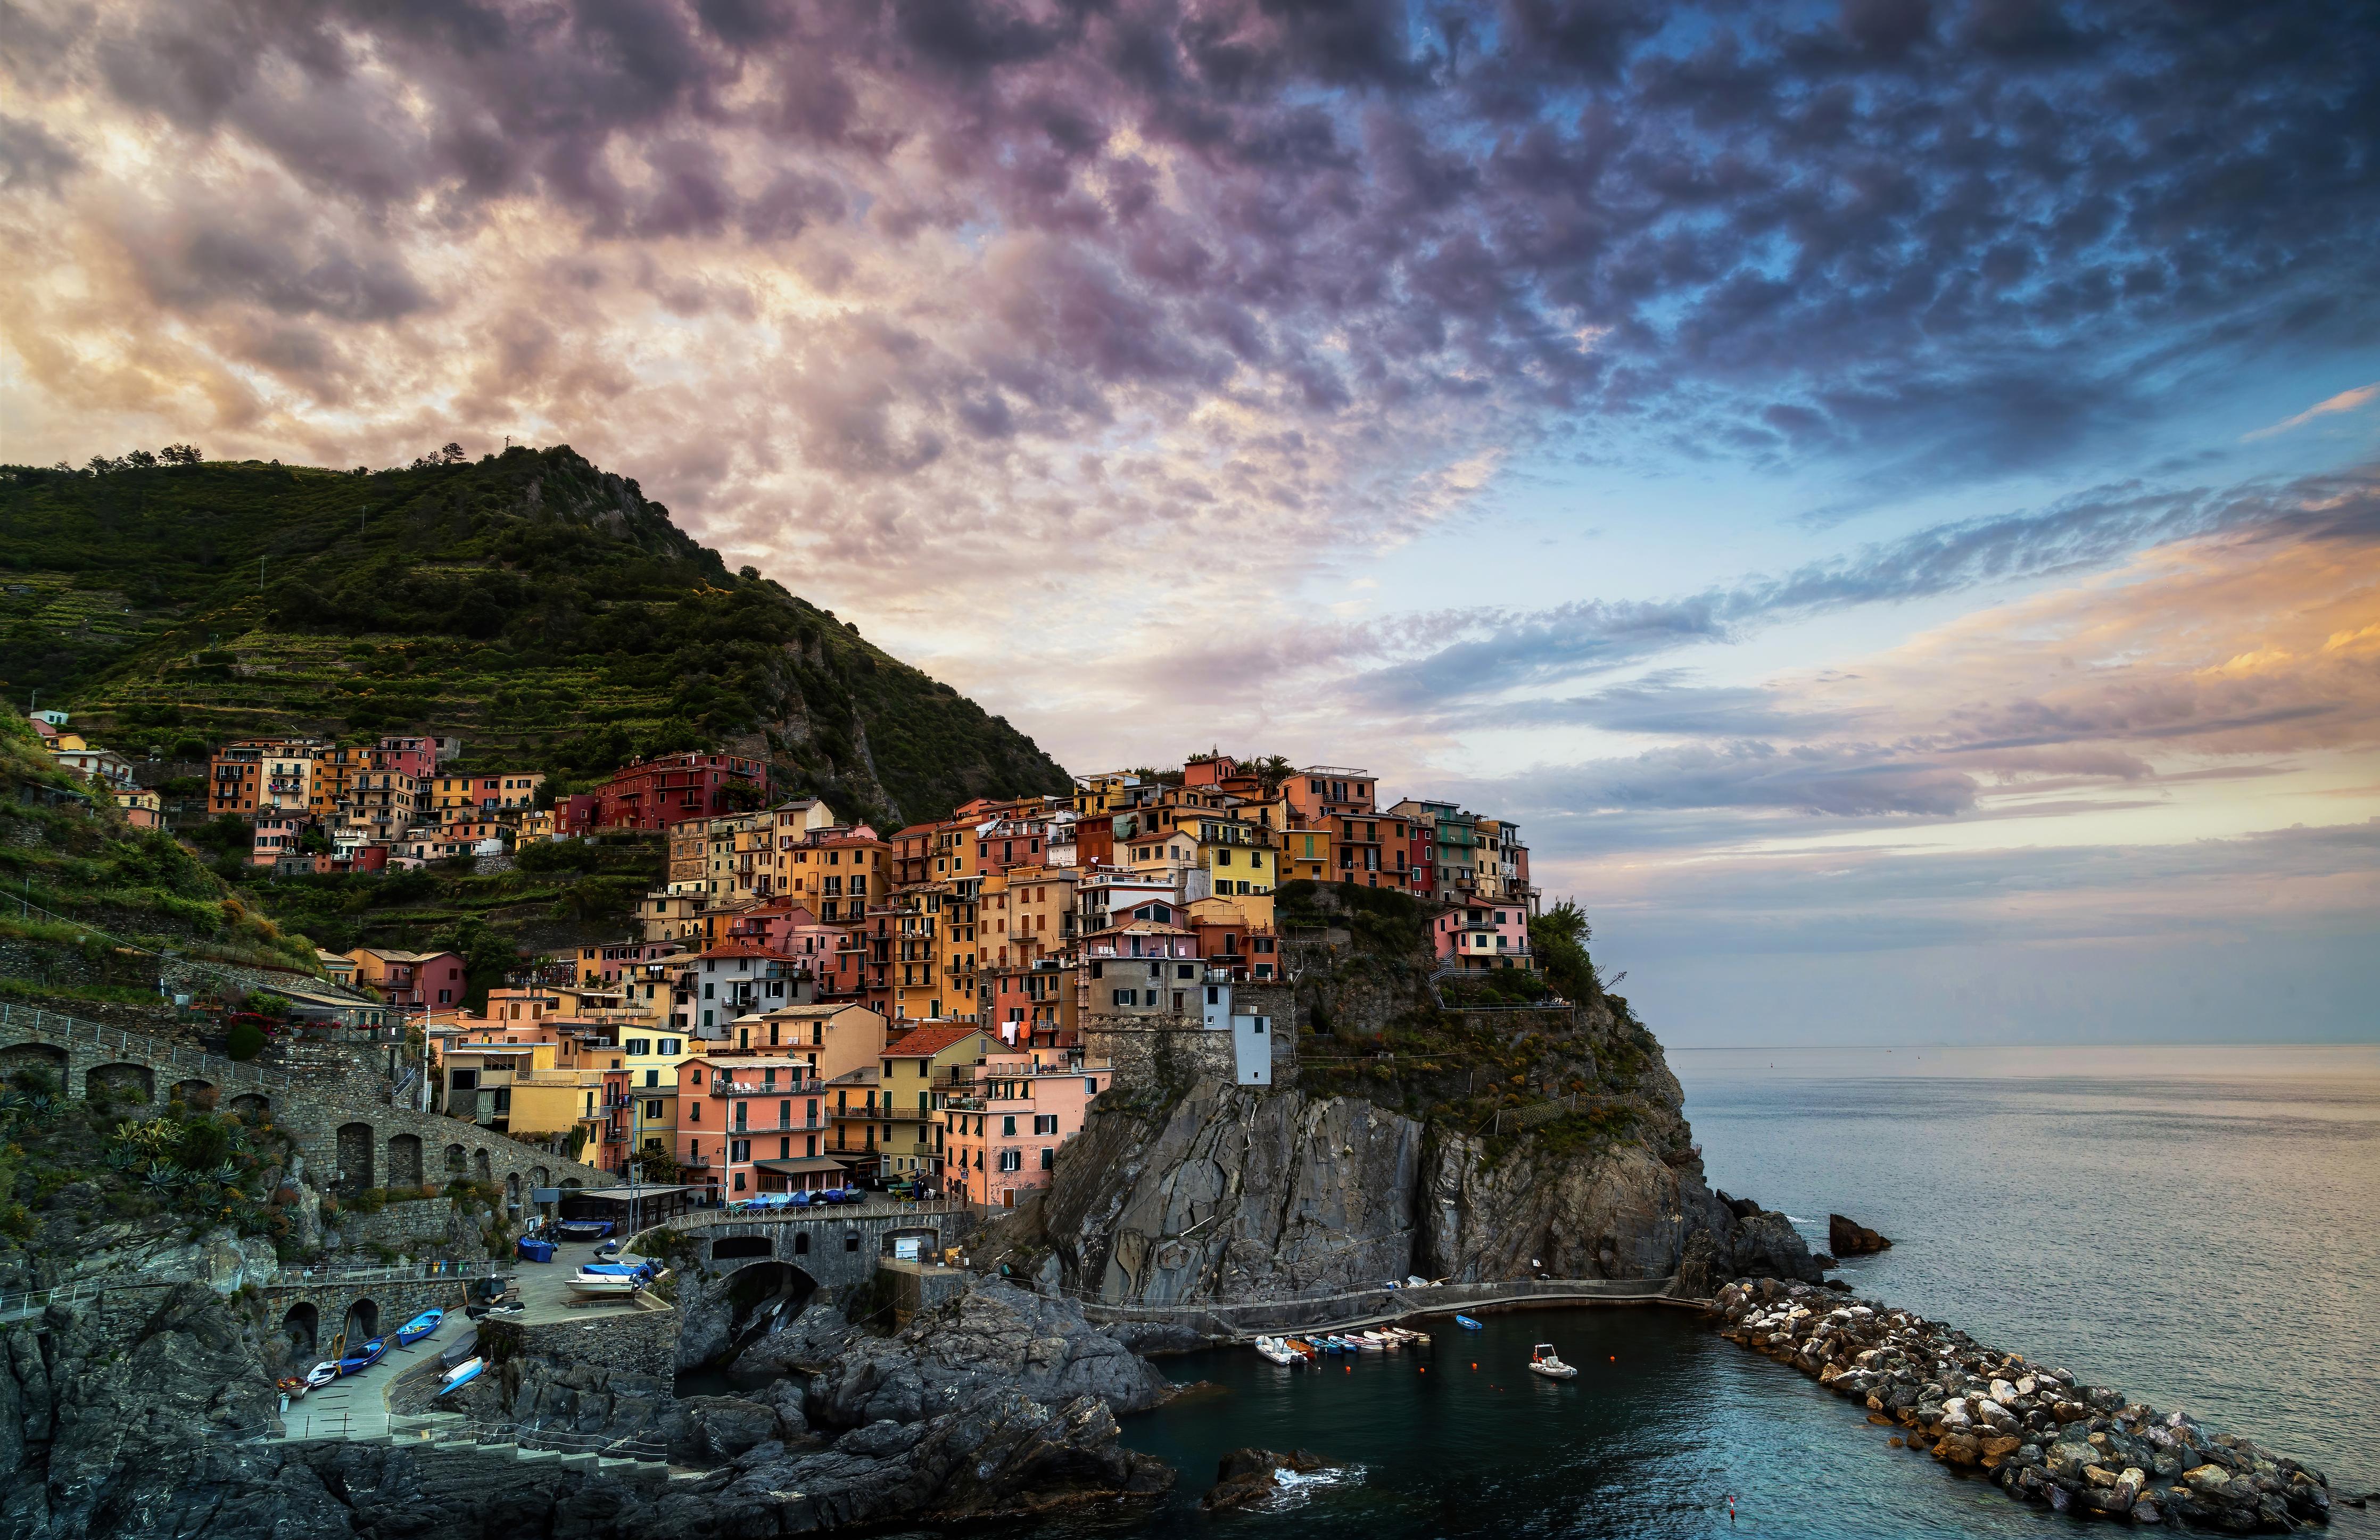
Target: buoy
point(1346, 1368)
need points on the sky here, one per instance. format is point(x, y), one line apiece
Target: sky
point(1886, 494)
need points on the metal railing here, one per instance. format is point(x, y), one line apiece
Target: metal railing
point(784, 1125)
point(56, 1026)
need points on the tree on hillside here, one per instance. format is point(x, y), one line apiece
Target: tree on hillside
point(1558, 938)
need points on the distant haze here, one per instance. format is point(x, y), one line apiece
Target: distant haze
point(1886, 492)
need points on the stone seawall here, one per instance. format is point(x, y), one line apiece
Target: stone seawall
point(2040, 1434)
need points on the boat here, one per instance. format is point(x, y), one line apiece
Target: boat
point(583, 1229)
point(322, 1374)
point(419, 1326)
point(1544, 1361)
point(1278, 1350)
point(295, 1387)
point(620, 1269)
point(364, 1357)
point(1467, 1324)
point(461, 1375)
point(1302, 1348)
point(602, 1284)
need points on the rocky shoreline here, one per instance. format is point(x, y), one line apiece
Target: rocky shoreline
point(2039, 1434)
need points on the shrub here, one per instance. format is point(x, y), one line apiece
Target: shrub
point(244, 1042)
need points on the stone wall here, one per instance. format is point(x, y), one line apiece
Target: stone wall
point(616, 1342)
point(1158, 1051)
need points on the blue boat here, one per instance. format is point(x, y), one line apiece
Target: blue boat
point(1467, 1324)
point(619, 1269)
point(364, 1357)
point(419, 1326)
point(461, 1375)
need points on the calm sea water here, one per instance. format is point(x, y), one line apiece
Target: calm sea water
point(2198, 1226)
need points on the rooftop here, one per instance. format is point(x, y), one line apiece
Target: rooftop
point(927, 1042)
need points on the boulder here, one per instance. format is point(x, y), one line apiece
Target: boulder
point(1848, 1238)
point(1245, 1476)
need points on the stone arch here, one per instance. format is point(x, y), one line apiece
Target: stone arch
point(512, 1190)
point(762, 1297)
point(355, 1141)
point(571, 1184)
point(733, 1247)
point(38, 1058)
point(480, 1170)
point(198, 1095)
point(117, 1079)
point(539, 1177)
point(457, 1163)
point(404, 1160)
point(252, 1106)
point(302, 1325)
point(362, 1323)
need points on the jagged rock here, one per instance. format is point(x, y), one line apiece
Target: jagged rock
point(1847, 1238)
point(1250, 1475)
point(706, 1429)
point(817, 1336)
point(994, 1338)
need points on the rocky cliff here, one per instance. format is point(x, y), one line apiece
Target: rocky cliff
point(1417, 1138)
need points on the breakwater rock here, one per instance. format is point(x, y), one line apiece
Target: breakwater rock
point(2039, 1433)
point(1848, 1238)
point(1249, 1476)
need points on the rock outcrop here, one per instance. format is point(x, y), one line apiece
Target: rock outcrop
point(1246, 1477)
point(1235, 1192)
point(2041, 1434)
point(1847, 1237)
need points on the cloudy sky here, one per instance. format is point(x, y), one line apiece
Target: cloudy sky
point(1886, 492)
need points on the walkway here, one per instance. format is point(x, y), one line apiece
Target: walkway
point(1243, 1320)
point(545, 1294)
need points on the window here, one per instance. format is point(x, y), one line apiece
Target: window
point(739, 1182)
point(465, 1080)
point(1049, 1159)
point(1012, 1160)
point(1091, 1084)
point(1008, 1127)
point(652, 1077)
point(640, 1045)
point(1045, 1123)
point(653, 1109)
point(851, 1243)
point(1182, 970)
point(1122, 997)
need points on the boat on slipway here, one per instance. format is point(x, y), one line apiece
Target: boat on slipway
point(419, 1326)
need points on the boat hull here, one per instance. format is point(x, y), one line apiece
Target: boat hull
point(419, 1326)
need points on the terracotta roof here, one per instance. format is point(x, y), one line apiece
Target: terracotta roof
point(927, 1042)
point(737, 947)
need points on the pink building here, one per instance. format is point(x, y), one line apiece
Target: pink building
point(1483, 935)
point(1003, 1140)
point(752, 1122)
point(275, 835)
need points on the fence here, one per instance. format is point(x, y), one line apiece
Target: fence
point(1229, 1320)
point(443, 1428)
point(56, 1026)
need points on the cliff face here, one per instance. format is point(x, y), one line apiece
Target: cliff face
point(1415, 1139)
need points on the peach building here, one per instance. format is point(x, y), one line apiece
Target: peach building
point(1003, 1139)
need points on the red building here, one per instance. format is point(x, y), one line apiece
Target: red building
point(677, 787)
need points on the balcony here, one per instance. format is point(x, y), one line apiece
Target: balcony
point(784, 1123)
point(764, 1089)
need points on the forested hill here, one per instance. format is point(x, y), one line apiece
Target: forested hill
point(540, 608)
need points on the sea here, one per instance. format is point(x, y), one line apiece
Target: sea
point(2196, 1225)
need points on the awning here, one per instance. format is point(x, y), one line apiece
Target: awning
point(805, 1166)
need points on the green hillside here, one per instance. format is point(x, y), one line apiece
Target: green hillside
point(540, 608)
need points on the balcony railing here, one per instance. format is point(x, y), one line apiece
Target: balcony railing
point(782, 1123)
point(762, 1088)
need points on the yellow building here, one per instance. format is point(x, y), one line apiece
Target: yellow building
point(1307, 853)
point(916, 1076)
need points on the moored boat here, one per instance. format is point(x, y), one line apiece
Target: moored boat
point(419, 1326)
point(295, 1387)
point(1544, 1361)
point(1278, 1350)
point(583, 1229)
point(1467, 1324)
point(461, 1375)
point(364, 1357)
point(322, 1374)
point(604, 1284)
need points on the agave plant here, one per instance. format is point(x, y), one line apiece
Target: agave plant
point(122, 1159)
point(226, 1175)
point(161, 1176)
point(13, 1100)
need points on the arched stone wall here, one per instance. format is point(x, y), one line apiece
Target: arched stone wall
point(455, 1163)
point(362, 1324)
point(251, 1107)
point(405, 1160)
point(481, 1170)
point(303, 1327)
point(355, 1144)
point(198, 1095)
point(116, 1077)
point(729, 1247)
point(42, 1058)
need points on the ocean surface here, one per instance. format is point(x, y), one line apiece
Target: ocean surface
point(2199, 1227)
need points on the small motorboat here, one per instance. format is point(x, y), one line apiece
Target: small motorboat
point(583, 1229)
point(461, 1375)
point(620, 1269)
point(584, 1282)
point(419, 1326)
point(1302, 1348)
point(322, 1374)
point(1544, 1361)
point(1467, 1324)
point(1278, 1352)
point(293, 1387)
point(364, 1357)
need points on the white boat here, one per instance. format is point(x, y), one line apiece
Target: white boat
point(1278, 1350)
point(1371, 1340)
point(322, 1374)
point(461, 1375)
point(603, 1284)
point(1544, 1361)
